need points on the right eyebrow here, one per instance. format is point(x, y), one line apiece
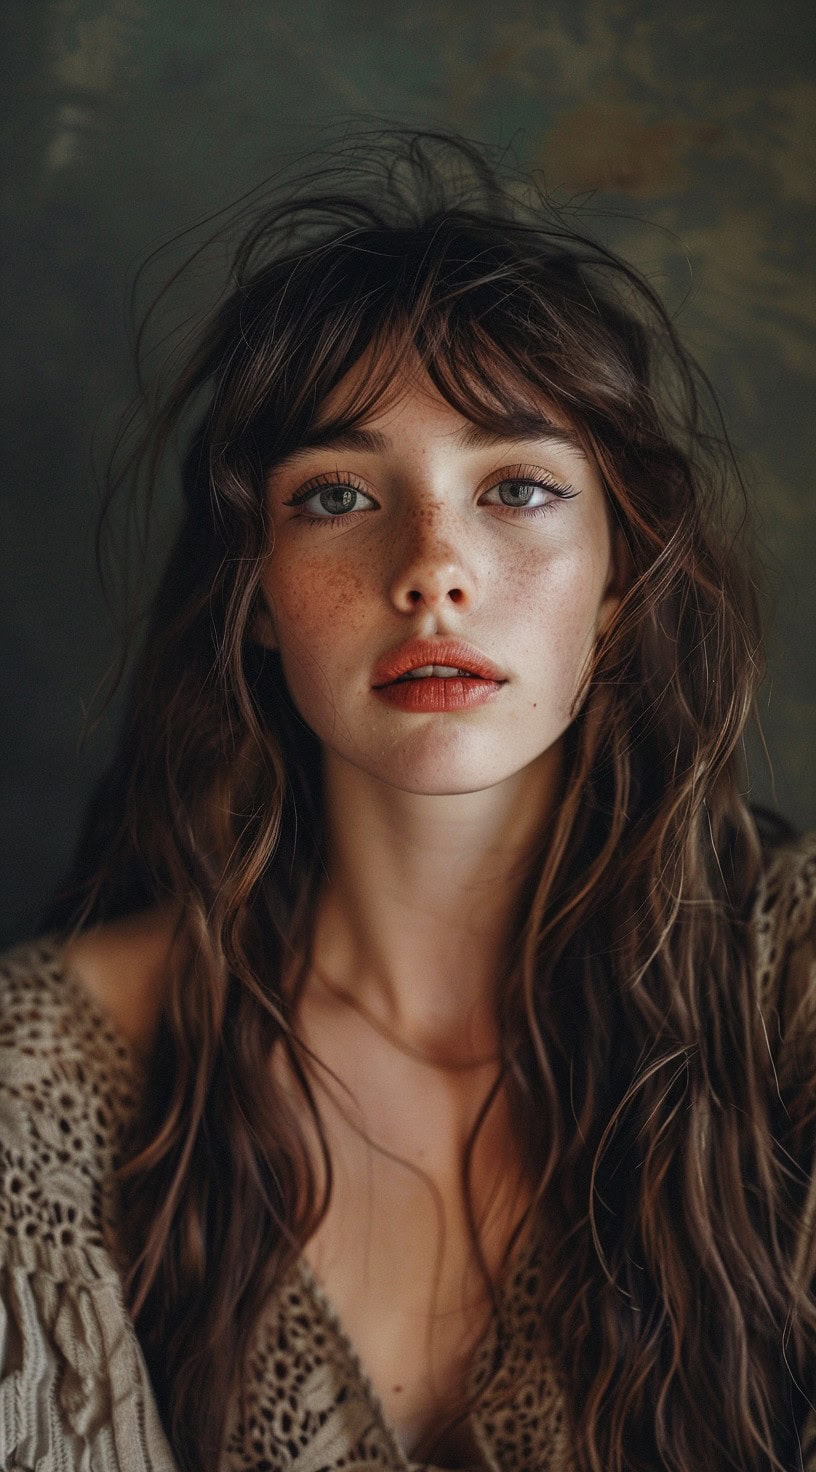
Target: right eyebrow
point(372, 441)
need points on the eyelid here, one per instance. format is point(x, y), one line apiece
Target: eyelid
point(527, 474)
point(496, 478)
point(325, 479)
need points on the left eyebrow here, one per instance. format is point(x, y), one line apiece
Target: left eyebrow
point(520, 429)
point(523, 427)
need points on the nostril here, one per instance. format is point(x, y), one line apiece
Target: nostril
point(415, 595)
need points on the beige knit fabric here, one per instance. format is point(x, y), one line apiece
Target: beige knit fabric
point(74, 1391)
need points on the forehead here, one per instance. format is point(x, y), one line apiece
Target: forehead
point(374, 402)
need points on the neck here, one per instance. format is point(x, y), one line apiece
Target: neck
point(415, 918)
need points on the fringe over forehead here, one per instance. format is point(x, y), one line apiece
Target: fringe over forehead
point(502, 321)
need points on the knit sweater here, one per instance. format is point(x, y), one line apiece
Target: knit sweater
point(75, 1394)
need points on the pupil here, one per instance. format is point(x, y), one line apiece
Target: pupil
point(339, 498)
point(514, 493)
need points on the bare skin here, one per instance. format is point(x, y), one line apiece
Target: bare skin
point(431, 820)
point(124, 967)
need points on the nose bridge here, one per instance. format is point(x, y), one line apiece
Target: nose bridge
point(431, 562)
point(428, 527)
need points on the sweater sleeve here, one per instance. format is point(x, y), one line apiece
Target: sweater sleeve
point(785, 929)
point(75, 1395)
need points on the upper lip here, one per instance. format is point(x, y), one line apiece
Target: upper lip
point(418, 652)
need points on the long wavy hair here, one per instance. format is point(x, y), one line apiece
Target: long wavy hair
point(670, 1164)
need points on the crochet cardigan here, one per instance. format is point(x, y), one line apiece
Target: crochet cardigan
point(75, 1394)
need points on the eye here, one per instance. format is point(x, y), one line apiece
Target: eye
point(527, 492)
point(330, 498)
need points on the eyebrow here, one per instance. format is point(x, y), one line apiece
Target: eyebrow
point(523, 426)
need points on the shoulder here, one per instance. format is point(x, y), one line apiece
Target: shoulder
point(783, 915)
point(69, 1087)
point(74, 1388)
point(124, 968)
point(77, 1024)
point(783, 938)
point(786, 894)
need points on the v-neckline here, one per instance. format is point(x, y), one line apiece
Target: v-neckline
point(323, 1303)
point(518, 1260)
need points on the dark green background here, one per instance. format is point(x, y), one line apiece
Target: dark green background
point(690, 130)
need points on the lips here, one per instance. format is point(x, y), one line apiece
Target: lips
point(432, 657)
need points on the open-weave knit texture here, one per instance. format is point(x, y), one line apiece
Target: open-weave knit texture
point(75, 1395)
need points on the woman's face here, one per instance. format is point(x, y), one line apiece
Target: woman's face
point(429, 529)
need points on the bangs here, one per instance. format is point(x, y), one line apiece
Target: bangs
point(472, 322)
point(490, 394)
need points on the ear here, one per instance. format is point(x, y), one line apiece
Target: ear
point(262, 625)
point(620, 576)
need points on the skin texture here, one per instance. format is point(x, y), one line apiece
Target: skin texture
point(429, 550)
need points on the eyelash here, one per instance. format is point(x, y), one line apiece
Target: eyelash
point(517, 475)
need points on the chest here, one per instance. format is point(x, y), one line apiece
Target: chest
point(398, 1269)
point(395, 1254)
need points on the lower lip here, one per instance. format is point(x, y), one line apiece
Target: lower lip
point(435, 693)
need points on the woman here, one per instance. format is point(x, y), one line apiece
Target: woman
point(422, 1058)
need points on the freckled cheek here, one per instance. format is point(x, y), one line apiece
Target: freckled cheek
point(313, 597)
point(573, 579)
point(554, 608)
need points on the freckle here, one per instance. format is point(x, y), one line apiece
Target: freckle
point(397, 1389)
point(329, 586)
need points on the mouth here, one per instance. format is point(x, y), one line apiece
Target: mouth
point(436, 659)
point(437, 671)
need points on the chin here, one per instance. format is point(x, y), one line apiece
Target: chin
point(441, 785)
point(439, 774)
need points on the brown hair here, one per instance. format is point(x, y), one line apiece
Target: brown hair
point(671, 1168)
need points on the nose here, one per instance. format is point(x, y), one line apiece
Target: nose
point(432, 572)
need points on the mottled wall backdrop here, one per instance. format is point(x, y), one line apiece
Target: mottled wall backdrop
point(689, 130)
